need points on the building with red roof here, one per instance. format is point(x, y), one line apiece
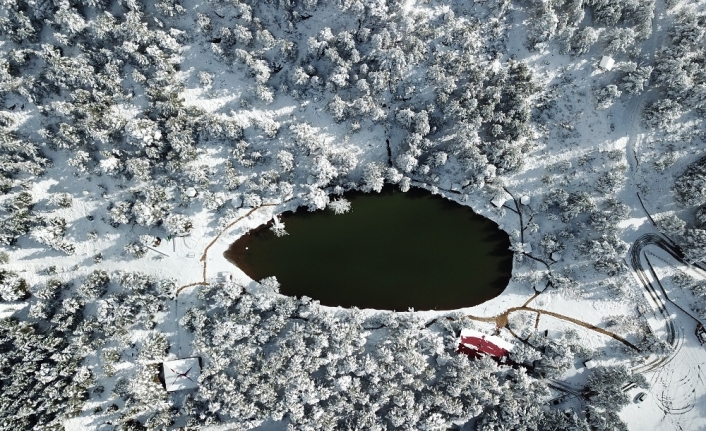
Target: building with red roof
point(476, 344)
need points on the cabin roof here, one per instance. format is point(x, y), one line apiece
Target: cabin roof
point(181, 374)
point(606, 63)
point(475, 341)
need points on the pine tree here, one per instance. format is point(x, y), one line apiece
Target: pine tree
point(12, 287)
point(694, 245)
point(339, 206)
point(178, 224)
point(95, 284)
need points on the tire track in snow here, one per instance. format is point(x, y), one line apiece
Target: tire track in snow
point(676, 376)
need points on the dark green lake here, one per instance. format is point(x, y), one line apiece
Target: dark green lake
point(392, 251)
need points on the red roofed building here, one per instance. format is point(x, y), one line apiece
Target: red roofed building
point(476, 344)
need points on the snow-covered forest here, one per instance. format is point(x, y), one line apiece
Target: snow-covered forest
point(138, 138)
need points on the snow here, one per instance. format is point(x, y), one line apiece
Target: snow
point(165, 248)
point(572, 146)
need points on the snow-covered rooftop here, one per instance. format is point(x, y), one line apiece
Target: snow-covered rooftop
point(607, 63)
point(181, 374)
point(498, 201)
point(482, 343)
point(191, 192)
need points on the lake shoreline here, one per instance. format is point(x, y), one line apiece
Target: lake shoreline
point(457, 277)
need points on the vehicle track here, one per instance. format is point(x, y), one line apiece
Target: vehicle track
point(670, 380)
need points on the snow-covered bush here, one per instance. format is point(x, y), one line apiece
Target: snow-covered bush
point(683, 279)
point(139, 168)
point(605, 97)
point(563, 282)
point(694, 245)
point(701, 216)
point(80, 161)
point(120, 212)
point(205, 78)
point(143, 132)
point(278, 230)
point(373, 178)
point(94, 285)
point(135, 249)
point(542, 27)
point(608, 246)
point(178, 224)
point(149, 240)
point(671, 224)
point(690, 186)
point(406, 162)
point(612, 180)
point(339, 206)
point(252, 200)
point(12, 286)
point(16, 225)
point(137, 281)
point(285, 160)
point(582, 41)
point(438, 158)
point(51, 233)
point(405, 184)
point(611, 267)
point(271, 284)
point(619, 40)
point(213, 201)
point(109, 358)
point(146, 214)
point(323, 170)
point(661, 113)
point(21, 201)
point(337, 107)
point(155, 346)
point(147, 391)
point(315, 198)
point(635, 82)
point(62, 200)
point(571, 205)
point(604, 387)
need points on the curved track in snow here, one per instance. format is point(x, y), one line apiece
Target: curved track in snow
point(676, 377)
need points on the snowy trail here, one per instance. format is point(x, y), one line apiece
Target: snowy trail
point(650, 46)
point(677, 378)
point(501, 320)
point(203, 259)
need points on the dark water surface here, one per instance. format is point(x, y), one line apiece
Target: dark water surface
point(393, 251)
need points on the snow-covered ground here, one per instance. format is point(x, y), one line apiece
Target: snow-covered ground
point(195, 122)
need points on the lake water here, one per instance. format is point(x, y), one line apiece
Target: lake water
point(392, 251)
